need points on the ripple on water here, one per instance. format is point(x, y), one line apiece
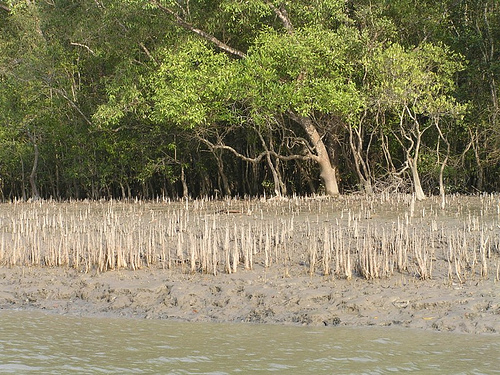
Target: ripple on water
point(37, 343)
point(17, 368)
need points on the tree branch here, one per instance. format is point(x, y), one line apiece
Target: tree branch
point(83, 46)
point(258, 158)
point(148, 54)
point(5, 7)
point(72, 103)
point(283, 16)
point(210, 38)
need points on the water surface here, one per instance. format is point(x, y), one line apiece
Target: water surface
point(33, 342)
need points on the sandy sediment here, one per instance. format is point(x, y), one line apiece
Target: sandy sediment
point(257, 297)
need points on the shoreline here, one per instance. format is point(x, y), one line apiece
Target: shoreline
point(257, 296)
point(390, 261)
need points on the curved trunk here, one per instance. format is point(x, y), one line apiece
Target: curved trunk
point(417, 185)
point(276, 179)
point(359, 164)
point(185, 190)
point(34, 190)
point(328, 171)
point(419, 192)
point(442, 191)
point(222, 175)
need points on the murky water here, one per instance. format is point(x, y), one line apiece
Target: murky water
point(49, 344)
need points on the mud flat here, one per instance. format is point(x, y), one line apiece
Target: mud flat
point(350, 261)
point(257, 297)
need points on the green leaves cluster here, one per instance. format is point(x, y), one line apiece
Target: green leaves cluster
point(192, 86)
point(421, 78)
point(307, 71)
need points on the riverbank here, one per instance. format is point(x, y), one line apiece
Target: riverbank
point(385, 260)
point(257, 296)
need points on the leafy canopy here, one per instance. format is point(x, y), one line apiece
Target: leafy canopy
point(304, 72)
point(420, 78)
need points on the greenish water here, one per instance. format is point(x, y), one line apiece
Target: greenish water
point(50, 344)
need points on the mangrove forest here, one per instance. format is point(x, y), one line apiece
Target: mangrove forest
point(146, 99)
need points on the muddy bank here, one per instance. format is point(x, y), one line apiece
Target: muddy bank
point(386, 260)
point(257, 296)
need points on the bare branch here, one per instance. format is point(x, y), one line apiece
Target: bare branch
point(187, 26)
point(148, 54)
point(73, 104)
point(99, 4)
point(257, 159)
point(221, 146)
point(283, 16)
point(83, 46)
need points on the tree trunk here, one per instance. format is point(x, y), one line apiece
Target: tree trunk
point(413, 163)
point(359, 163)
point(480, 168)
point(222, 175)
point(304, 177)
point(414, 136)
point(122, 188)
point(276, 179)
point(34, 190)
point(279, 186)
point(23, 180)
point(328, 172)
point(58, 183)
point(442, 191)
point(185, 190)
point(417, 185)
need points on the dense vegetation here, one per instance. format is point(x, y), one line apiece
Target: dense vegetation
point(148, 98)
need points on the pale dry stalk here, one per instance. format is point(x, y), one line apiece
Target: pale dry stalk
point(312, 257)
point(327, 248)
point(483, 251)
point(227, 255)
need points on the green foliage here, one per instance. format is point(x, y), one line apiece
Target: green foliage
point(192, 85)
point(305, 13)
point(304, 72)
point(118, 93)
point(419, 78)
